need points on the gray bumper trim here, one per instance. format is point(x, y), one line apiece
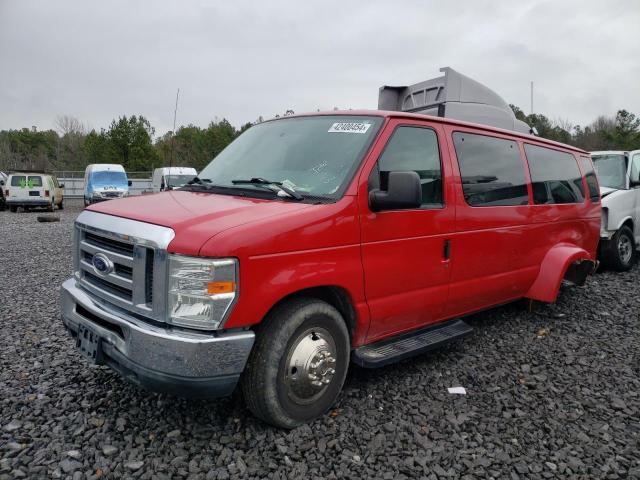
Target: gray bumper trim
point(156, 355)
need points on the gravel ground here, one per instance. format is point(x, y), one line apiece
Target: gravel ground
point(554, 393)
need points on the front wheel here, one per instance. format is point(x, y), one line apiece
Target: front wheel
point(298, 364)
point(61, 205)
point(618, 253)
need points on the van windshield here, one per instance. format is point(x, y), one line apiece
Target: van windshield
point(107, 178)
point(611, 170)
point(177, 180)
point(314, 156)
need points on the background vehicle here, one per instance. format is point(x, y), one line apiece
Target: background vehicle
point(618, 173)
point(105, 181)
point(32, 190)
point(318, 239)
point(167, 178)
point(3, 182)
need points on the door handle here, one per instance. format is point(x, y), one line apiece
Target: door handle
point(446, 250)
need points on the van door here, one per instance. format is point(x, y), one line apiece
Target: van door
point(634, 177)
point(491, 251)
point(405, 253)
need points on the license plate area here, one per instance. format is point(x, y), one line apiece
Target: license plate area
point(34, 193)
point(89, 344)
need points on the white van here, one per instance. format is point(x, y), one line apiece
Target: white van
point(618, 174)
point(32, 190)
point(105, 181)
point(167, 178)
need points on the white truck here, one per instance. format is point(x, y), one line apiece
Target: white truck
point(618, 174)
point(167, 178)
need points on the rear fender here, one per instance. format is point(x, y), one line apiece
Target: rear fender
point(555, 264)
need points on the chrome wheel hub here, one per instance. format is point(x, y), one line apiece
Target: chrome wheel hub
point(310, 365)
point(625, 248)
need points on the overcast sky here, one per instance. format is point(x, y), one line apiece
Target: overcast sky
point(239, 59)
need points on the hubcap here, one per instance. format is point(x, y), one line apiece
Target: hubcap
point(310, 365)
point(625, 248)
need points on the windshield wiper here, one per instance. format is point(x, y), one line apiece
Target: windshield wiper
point(266, 183)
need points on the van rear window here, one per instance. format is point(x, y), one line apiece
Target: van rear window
point(555, 176)
point(491, 170)
point(34, 181)
point(19, 181)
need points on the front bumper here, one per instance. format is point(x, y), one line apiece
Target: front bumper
point(182, 363)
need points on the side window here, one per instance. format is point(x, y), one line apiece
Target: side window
point(635, 168)
point(592, 182)
point(414, 148)
point(491, 170)
point(555, 176)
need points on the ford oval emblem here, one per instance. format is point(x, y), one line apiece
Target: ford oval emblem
point(102, 264)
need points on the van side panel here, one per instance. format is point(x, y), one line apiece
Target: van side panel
point(491, 247)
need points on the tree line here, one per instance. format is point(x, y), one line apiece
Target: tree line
point(130, 141)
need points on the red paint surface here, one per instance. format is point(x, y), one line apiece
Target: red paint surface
point(391, 264)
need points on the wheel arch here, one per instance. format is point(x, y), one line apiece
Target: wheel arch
point(334, 295)
point(563, 261)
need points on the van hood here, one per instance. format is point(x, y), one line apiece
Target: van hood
point(195, 217)
point(604, 191)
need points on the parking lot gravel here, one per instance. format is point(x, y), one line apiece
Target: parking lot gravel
point(550, 394)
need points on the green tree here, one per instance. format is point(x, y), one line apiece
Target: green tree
point(130, 139)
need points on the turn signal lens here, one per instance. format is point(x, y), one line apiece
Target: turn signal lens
point(214, 288)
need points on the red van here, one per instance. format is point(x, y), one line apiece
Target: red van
point(316, 240)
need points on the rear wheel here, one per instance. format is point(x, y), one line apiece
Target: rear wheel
point(61, 205)
point(298, 364)
point(618, 253)
point(53, 203)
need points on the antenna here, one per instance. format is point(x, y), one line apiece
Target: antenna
point(173, 136)
point(532, 97)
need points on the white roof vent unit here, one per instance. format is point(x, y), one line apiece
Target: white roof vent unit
point(452, 96)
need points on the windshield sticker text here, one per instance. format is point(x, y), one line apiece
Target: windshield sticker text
point(349, 127)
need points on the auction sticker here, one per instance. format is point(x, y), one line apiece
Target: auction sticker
point(349, 127)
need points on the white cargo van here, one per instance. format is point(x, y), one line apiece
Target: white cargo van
point(32, 190)
point(168, 178)
point(105, 181)
point(618, 174)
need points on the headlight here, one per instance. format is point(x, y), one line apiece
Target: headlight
point(201, 290)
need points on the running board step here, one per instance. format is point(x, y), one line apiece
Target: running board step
point(407, 345)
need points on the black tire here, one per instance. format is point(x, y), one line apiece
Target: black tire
point(614, 252)
point(52, 206)
point(61, 206)
point(266, 382)
point(13, 209)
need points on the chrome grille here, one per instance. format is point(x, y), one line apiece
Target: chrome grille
point(136, 256)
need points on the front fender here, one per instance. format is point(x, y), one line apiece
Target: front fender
point(553, 269)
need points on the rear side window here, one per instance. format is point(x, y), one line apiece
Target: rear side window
point(34, 181)
point(491, 170)
point(592, 182)
point(554, 175)
point(18, 181)
point(414, 149)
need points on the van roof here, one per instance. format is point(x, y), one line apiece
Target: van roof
point(610, 152)
point(105, 166)
point(448, 121)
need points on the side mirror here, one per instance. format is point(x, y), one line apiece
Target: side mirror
point(634, 183)
point(403, 192)
point(1, 183)
point(61, 185)
point(129, 183)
